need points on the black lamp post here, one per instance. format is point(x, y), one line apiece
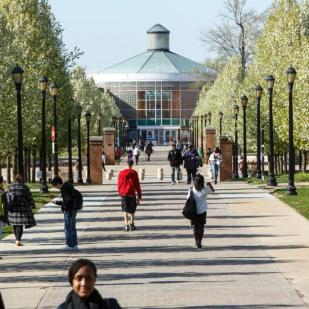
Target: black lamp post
point(236, 112)
point(71, 105)
point(79, 145)
point(262, 150)
point(244, 102)
point(17, 74)
point(258, 91)
point(197, 132)
point(99, 124)
point(53, 88)
point(220, 122)
point(202, 135)
point(270, 85)
point(291, 74)
point(88, 118)
point(209, 118)
point(43, 82)
point(126, 127)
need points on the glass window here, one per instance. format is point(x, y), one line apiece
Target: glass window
point(151, 113)
point(150, 104)
point(166, 114)
point(141, 95)
point(141, 114)
point(166, 105)
point(141, 105)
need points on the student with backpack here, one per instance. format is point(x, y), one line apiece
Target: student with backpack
point(72, 201)
point(199, 193)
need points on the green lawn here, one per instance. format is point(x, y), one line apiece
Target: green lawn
point(300, 201)
point(299, 177)
point(40, 200)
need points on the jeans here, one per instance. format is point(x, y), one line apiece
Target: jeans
point(215, 168)
point(190, 172)
point(177, 170)
point(70, 228)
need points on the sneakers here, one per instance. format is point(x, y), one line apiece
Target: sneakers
point(177, 181)
point(173, 183)
point(127, 228)
point(67, 248)
point(133, 227)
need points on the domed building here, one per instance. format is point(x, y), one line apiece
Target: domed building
point(156, 91)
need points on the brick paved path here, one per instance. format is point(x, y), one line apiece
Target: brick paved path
point(157, 265)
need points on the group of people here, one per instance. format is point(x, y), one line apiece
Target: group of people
point(134, 151)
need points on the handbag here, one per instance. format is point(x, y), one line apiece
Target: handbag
point(189, 211)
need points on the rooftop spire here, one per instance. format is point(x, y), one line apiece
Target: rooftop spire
point(158, 38)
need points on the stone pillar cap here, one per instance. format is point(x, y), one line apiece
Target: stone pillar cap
point(96, 138)
point(109, 129)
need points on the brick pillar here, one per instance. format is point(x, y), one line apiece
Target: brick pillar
point(210, 140)
point(96, 144)
point(109, 145)
point(226, 165)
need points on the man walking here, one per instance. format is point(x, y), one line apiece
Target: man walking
point(69, 212)
point(191, 159)
point(128, 186)
point(175, 159)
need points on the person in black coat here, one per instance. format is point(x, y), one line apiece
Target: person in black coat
point(82, 277)
point(175, 159)
point(68, 211)
point(191, 164)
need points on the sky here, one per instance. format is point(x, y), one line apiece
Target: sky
point(111, 31)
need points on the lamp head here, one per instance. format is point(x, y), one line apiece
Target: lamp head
point(258, 91)
point(43, 82)
point(270, 82)
point(17, 74)
point(244, 101)
point(290, 74)
point(53, 89)
point(88, 117)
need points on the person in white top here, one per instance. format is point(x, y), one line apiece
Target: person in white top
point(217, 162)
point(200, 193)
point(136, 153)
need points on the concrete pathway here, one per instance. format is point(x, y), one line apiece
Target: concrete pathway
point(256, 251)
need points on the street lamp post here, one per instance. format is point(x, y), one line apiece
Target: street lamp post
point(236, 112)
point(270, 85)
point(291, 74)
point(79, 146)
point(88, 118)
point(43, 82)
point(244, 102)
point(262, 150)
point(202, 136)
point(70, 176)
point(220, 122)
point(259, 91)
point(99, 124)
point(209, 118)
point(53, 88)
point(17, 74)
point(197, 132)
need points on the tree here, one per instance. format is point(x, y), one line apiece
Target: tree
point(237, 34)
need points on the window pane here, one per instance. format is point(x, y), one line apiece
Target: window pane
point(141, 105)
point(141, 114)
point(166, 114)
point(151, 105)
point(150, 113)
point(141, 95)
point(166, 105)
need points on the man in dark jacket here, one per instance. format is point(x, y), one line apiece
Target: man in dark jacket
point(69, 212)
point(175, 159)
point(191, 159)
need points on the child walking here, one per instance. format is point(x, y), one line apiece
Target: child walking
point(200, 192)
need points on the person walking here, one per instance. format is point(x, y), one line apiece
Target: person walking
point(200, 193)
point(175, 159)
point(136, 154)
point(68, 210)
point(216, 162)
point(128, 186)
point(103, 160)
point(82, 276)
point(4, 220)
point(191, 163)
point(129, 152)
point(20, 211)
point(149, 150)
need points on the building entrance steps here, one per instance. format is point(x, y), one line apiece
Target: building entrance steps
point(255, 255)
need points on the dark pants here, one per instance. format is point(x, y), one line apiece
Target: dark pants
point(18, 232)
point(198, 227)
point(191, 173)
point(148, 154)
point(70, 228)
point(136, 160)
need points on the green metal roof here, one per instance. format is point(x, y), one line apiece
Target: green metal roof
point(157, 62)
point(157, 28)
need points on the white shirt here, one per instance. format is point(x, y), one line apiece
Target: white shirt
point(200, 198)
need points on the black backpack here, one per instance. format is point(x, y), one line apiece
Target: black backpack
point(77, 199)
point(189, 211)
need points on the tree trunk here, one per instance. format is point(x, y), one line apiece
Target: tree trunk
point(285, 163)
point(25, 165)
point(305, 161)
point(276, 164)
point(8, 170)
point(33, 165)
point(15, 163)
point(300, 159)
point(29, 165)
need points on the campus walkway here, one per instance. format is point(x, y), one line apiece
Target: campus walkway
point(256, 251)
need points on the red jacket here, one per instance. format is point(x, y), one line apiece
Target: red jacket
point(128, 183)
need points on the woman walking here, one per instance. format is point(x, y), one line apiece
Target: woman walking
point(217, 158)
point(200, 193)
point(20, 212)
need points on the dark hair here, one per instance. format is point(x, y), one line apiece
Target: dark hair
point(57, 181)
point(77, 265)
point(19, 177)
point(199, 182)
point(130, 163)
point(1, 179)
point(217, 150)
